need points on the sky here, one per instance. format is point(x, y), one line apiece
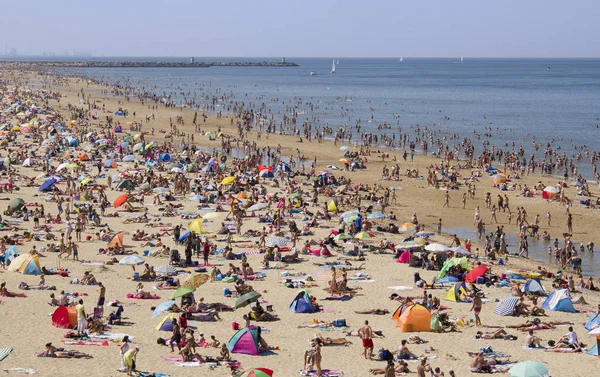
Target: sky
point(307, 28)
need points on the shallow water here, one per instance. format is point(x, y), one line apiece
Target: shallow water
point(538, 249)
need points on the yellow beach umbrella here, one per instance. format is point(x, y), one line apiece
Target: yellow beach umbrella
point(228, 180)
point(196, 226)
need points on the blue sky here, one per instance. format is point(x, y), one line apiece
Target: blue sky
point(308, 28)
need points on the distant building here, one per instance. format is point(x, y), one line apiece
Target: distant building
point(192, 59)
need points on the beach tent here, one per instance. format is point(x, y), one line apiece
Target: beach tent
point(559, 301)
point(10, 254)
point(507, 306)
point(398, 312)
point(125, 184)
point(266, 174)
point(331, 206)
point(110, 164)
point(404, 257)
point(26, 264)
point(84, 157)
point(475, 273)
point(244, 341)
point(593, 351)
point(196, 226)
point(165, 157)
point(166, 324)
point(301, 304)
point(550, 192)
point(65, 317)
point(463, 262)
point(414, 318)
point(262, 168)
point(593, 321)
point(533, 286)
point(454, 292)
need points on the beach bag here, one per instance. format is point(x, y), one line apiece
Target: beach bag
point(385, 355)
point(339, 322)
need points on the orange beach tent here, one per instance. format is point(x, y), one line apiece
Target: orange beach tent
point(65, 317)
point(414, 318)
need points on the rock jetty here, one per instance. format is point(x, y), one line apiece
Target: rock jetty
point(138, 64)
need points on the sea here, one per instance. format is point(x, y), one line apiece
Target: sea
point(508, 103)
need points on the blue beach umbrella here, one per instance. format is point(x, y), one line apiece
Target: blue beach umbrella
point(345, 148)
point(47, 185)
point(162, 308)
point(377, 215)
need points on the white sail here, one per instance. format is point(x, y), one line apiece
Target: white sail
point(401, 59)
point(333, 66)
point(461, 59)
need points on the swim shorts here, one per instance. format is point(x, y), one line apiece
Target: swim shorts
point(367, 343)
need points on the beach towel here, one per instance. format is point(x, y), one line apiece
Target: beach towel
point(400, 288)
point(188, 364)
point(85, 343)
point(21, 370)
point(561, 350)
point(324, 373)
point(113, 336)
point(325, 309)
point(4, 352)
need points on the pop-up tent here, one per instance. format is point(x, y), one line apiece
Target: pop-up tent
point(559, 301)
point(593, 321)
point(26, 264)
point(398, 312)
point(244, 341)
point(414, 318)
point(454, 293)
point(533, 286)
point(507, 306)
point(462, 262)
point(166, 324)
point(404, 257)
point(65, 317)
point(301, 303)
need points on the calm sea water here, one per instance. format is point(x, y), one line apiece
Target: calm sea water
point(521, 98)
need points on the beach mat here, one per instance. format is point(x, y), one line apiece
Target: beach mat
point(4, 352)
point(21, 370)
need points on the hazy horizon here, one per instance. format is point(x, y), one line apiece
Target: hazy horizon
point(308, 29)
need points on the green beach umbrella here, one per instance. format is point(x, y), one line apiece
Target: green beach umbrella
point(246, 299)
point(528, 369)
point(16, 204)
point(181, 292)
point(257, 372)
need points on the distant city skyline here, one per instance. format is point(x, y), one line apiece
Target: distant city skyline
point(324, 28)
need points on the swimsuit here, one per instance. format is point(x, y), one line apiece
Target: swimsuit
point(367, 342)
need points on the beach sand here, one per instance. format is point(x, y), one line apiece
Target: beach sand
point(27, 322)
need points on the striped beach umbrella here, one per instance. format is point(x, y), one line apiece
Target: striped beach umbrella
point(165, 270)
point(276, 241)
point(507, 306)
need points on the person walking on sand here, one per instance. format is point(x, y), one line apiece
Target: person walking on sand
point(366, 334)
point(123, 350)
point(548, 218)
point(101, 296)
point(464, 200)
point(570, 223)
point(446, 199)
point(476, 307)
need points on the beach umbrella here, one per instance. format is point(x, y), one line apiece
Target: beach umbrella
point(345, 148)
point(165, 270)
point(448, 279)
point(257, 207)
point(424, 234)
point(227, 180)
point(363, 236)
point(436, 248)
point(61, 166)
point(528, 369)
point(47, 185)
point(342, 236)
point(117, 240)
point(131, 260)
point(349, 219)
point(276, 241)
point(16, 204)
point(138, 147)
point(196, 197)
point(120, 200)
point(246, 299)
point(181, 292)
point(409, 245)
point(506, 306)
point(349, 213)
point(491, 168)
point(129, 158)
point(460, 250)
point(406, 227)
point(195, 280)
point(552, 189)
point(160, 308)
point(211, 215)
point(294, 195)
point(377, 215)
point(196, 226)
point(258, 372)
point(475, 273)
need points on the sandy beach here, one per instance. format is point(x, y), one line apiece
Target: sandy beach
point(28, 321)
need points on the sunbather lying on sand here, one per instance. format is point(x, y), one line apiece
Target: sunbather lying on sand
point(61, 353)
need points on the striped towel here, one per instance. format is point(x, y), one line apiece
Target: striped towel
point(252, 252)
point(4, 353)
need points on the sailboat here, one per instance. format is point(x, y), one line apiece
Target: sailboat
point(333, 66)
point(461, 59)
point(401, 59)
